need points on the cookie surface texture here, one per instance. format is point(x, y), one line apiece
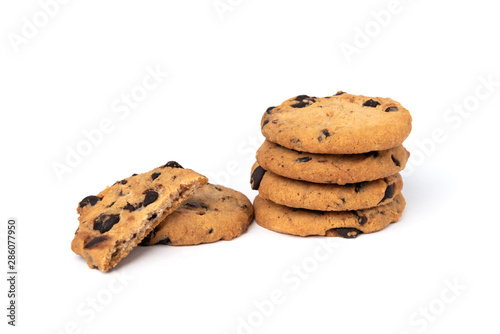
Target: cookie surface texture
point(326, 197)
point(114, 221)
point(338, 124)
point(212, 213)
point(346, 224)
point(331, 168)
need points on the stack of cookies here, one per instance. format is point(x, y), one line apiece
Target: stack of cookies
point(330, 166)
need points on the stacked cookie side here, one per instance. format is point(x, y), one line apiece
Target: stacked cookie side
point(330, 166)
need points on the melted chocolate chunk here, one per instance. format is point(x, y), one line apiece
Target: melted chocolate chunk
point(153, 216)
point(135, 174)
point(396, 162)
point(196, 205)
point(257, 175)
point(129, 207)
point(123, 181)
point(150, 197)
point(304, 159)
point(371, 103)
point(103, 223)
point(391, 109)
point(361, 219)
point(268, 111)
point(326, 133)
point(154, 176)
point(92, 200)
point(172, 164)
point(389, 193)
point(94, 242)
point(265, 122)
point(339, 93)
point(347, 232)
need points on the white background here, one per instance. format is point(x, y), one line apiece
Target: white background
point(224, 70)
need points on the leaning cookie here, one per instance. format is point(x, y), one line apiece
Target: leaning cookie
point(324, 197)
point(211, 214)
point(332, 168)
point(346, 224)
point(119, 217)
point(338, 124)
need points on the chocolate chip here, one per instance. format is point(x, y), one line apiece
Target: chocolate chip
point(103, 223)
point(268, 111)
point(165, 241)
point(389, 193)
point(343, 200)
point(373, 154)
point(123, 181)
point(265, 122)
point(391, 109)
point(361, 219)
point(219, 189)
point(154, 176)
point(129, 207)
point(371, 103)
point(326, 133)
point(153, 216)
point(339, 93)
point(196, 204)
point(211, 231)
point(92, 200)
point(347, 232)
point(134, 174)
point(150, 197)
point(301, 98)
point(358, 186)
point(304, 101)
point(304, 159)
point(257, 176)
point(111, 204)
point(320, 138)
point(172, 164)
point(396, 162)
point(94, 242)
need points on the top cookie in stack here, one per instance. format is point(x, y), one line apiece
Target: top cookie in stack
point(340, 155)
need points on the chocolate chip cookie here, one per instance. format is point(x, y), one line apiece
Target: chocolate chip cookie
point(331, 168)
point(346, 224)
point(212, 213)
point(119, 217)
point(339, 124)
point(324, 197)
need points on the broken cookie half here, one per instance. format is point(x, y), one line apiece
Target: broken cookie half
point(118, 218)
